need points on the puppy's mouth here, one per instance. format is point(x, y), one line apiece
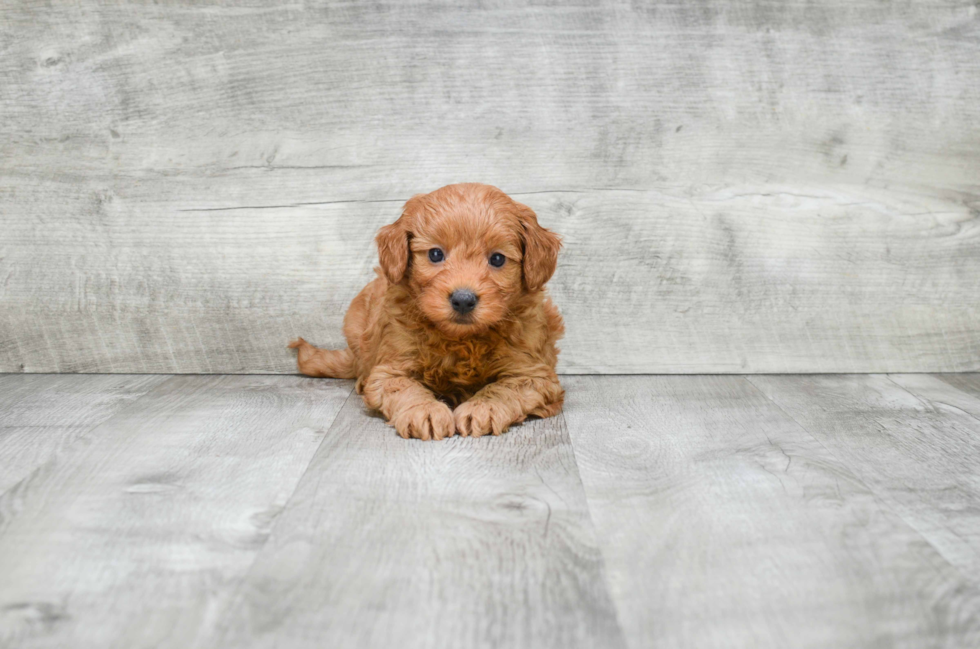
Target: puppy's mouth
point(461, 325)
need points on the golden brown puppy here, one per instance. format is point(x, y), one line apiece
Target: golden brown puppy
point(457, 315)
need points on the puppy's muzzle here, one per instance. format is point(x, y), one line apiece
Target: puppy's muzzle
point(463, 300)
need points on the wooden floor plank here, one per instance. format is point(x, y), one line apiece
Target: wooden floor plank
point(957, 394)
point(969, 383)
point(137, 537)
point(919, 455)
point(401, 543)
point(724, 524)
point(42, 415)
point(718, 519)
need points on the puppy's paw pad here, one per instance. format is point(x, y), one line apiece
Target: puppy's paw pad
point(476, 418)
point(425, 421)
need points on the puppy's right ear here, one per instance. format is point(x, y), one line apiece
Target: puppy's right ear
point(393, 240)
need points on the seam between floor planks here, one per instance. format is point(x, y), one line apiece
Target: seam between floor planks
point(169, 399)
point(881, 499)
point(611, 461)
point(495, 530)
point(886, 500)
point(151, 382)
point(603, 568)
point(82, 432)
point(222, 626)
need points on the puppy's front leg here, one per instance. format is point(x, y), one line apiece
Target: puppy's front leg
point(509, 400)
point(408, 405)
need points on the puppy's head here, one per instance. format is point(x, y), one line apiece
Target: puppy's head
point(467, 253)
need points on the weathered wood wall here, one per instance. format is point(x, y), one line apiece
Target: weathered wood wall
point(743, 186)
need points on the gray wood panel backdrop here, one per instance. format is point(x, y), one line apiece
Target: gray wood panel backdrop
point(743, 186)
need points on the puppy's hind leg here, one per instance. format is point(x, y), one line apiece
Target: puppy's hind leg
point(332, 363)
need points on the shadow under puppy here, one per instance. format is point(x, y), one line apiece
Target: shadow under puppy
point(457, 318)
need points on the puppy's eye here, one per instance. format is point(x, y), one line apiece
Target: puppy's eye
point(497, 260)
point(436, 255)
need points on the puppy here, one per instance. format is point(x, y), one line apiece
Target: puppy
point(456, 334)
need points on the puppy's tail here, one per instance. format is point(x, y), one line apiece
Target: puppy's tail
point(332, 363)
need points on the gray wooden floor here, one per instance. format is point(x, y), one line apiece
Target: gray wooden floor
point(674, 511)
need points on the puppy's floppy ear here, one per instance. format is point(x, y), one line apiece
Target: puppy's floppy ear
point(393, 239)
point(540, 249)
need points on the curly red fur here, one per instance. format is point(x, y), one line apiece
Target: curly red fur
point(414, 357)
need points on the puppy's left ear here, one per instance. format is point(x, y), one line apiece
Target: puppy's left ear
point(541, 248)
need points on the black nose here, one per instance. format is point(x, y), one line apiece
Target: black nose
point(463, 300)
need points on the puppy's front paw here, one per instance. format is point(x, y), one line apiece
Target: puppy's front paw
point(478, 417)
point(429, 420)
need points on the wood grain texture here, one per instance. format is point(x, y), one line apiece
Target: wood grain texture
point(42, 416)
point(955, 393)
point(138, 537)
point(724, 524)
point(969, 383)
point(238, 512)
point(743, 186)
point(908, 440)
point(401, 543)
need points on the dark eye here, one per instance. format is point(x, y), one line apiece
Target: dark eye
point(435, 255)
point(497, 260)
